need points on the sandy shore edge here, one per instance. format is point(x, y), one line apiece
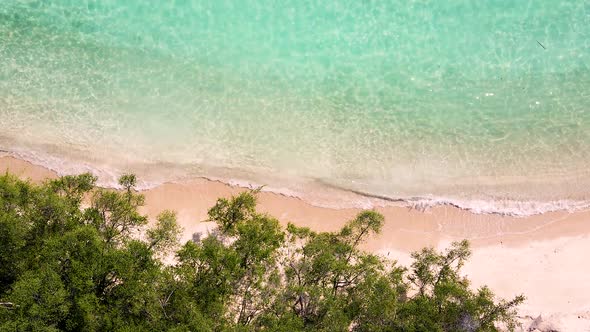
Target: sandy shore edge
point(543, 256)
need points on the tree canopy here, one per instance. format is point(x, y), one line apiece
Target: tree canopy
point(74, 257)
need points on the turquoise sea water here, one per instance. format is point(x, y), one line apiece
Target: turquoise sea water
point(462, 101)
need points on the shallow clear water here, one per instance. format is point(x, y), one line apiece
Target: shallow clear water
point(461, 100)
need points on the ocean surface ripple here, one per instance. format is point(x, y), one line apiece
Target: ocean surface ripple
point(483, 105)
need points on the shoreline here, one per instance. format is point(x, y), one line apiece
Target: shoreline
point(314, 191)
point(541, 256)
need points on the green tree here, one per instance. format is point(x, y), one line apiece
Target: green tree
point(323, 270)
point(115, 214)
point(78, 269)
point(40, 302)
point(443, 299)
point(166, 233)
point(236, 271)
point(65, 267)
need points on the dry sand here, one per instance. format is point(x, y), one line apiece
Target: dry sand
point(546, 257)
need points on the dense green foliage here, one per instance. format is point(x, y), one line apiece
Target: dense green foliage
point(77, 258)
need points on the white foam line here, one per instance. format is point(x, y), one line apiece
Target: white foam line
point(506, 207)
point(107, 177)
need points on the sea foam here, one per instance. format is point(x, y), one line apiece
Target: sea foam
point(317, 195)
